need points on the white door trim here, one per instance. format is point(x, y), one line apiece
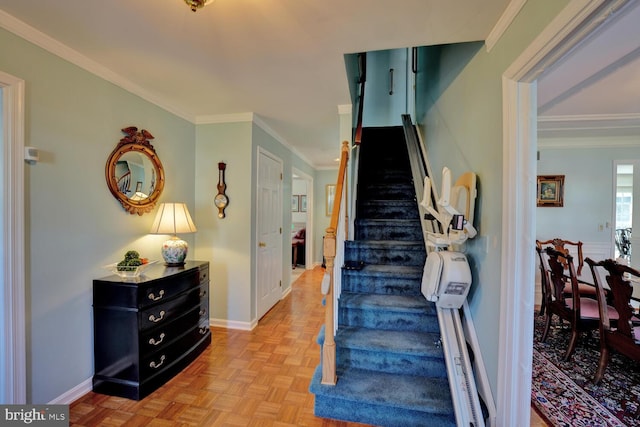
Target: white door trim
point(572, 25)
point(14, 369)
point(308, 242)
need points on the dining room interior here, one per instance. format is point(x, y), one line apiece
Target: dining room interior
point(587, 195)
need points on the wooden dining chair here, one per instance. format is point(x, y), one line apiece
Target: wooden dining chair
point(544, 278)
point(617, 332)
point(579, 311)
point(563, 246)
point(566, 246)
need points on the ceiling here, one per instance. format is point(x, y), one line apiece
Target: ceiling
point(281, 60)
point(595, 89)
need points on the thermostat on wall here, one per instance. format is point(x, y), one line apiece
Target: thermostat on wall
point(31, 155)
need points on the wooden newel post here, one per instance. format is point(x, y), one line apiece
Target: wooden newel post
point(329, 346)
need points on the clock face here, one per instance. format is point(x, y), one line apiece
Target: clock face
point(220, 201)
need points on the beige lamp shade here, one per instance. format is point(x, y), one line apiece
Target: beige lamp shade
point(173, 218)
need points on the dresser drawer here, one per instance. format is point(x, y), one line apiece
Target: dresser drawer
point(167, 289)
point(161, 359)
point(164, 335)
point(162, 314)
point(159, 284)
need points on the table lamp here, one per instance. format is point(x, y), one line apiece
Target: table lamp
point(173, 218)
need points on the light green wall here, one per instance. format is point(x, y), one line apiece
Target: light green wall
point(461, 121)
point(589, 180)
point(74, 225)
point(229, 244)
point(226, 242)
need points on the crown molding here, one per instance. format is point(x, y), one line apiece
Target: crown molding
point(53, 46)
point(224, 118)
point(507, 17)
point(577, 118)
point(612, 125)
point(563, 143)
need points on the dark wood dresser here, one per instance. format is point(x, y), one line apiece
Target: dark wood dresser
point(148, 329)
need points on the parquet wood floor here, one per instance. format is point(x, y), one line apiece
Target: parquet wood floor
point(258, 378)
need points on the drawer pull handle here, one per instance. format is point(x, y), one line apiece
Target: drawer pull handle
point(202, 293)
point(156, 320)
point(203, 331)
point(155, 365)
point(152, 341)
point(152, 297)
point(202, 312)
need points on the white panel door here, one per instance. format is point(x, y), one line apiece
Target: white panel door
point(269, 232)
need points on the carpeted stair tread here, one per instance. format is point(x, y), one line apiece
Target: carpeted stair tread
point(407, 252)
point(388, 311)
point(399, 342)
point(391, 270)
point(390, 366)
point(383, 208)
point(386, 279)
point(390, 303)
point(427, 395)
point(387, 243)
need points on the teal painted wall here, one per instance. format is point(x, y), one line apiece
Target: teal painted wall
point(460, 105)
point(385, 97)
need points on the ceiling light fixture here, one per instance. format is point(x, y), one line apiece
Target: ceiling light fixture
point(197, 4)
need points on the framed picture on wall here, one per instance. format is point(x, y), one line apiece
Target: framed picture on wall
point(550, 191)
point(295, 204)
point(303, 203)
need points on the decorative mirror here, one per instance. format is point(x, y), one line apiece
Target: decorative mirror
point(134, 173)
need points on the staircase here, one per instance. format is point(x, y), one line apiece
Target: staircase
point(390, 367)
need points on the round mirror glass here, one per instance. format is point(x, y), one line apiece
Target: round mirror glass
point(134, 173)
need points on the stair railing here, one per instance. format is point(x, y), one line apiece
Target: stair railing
point(336, 232)
point(362, 78)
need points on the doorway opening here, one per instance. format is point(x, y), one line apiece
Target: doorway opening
point(624, 201)
point(301, 223)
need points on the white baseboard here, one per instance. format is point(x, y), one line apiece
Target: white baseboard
point(233, 324)
point(74, 394)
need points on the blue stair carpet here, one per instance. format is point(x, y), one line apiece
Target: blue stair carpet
point(390, 366)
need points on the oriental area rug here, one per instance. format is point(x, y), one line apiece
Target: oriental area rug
point(564, 392)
